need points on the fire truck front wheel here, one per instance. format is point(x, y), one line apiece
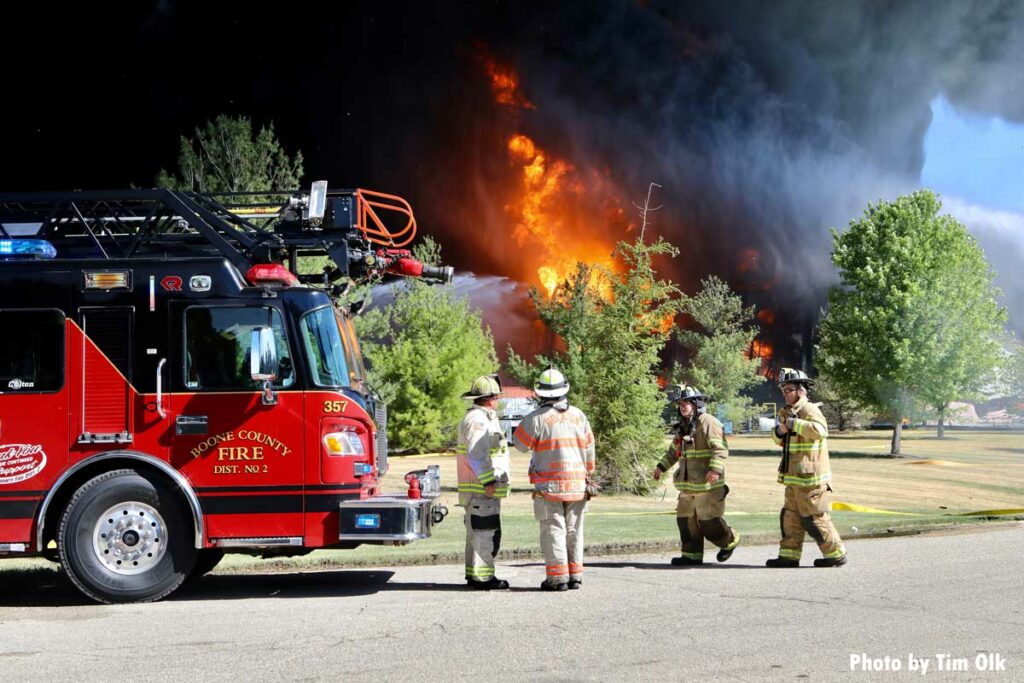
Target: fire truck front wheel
point(126, 538)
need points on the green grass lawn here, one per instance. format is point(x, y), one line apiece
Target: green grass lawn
point(934, 483)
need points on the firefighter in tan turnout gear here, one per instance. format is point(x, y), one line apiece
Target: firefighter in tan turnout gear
point(803, 434)
point(561, 444)
point(700, 449)
point(483, 467)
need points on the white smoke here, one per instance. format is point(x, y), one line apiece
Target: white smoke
point(503, 303)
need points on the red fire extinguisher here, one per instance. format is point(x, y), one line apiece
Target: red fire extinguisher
point(414, 486)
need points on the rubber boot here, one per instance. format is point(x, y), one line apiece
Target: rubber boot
point(830, 561)
point(726, 552)
point(491, 584)
point(782, 563)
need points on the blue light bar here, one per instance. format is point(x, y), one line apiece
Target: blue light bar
point(26, 249)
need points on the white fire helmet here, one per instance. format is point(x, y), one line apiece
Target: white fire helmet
point(791, 376)
point(551, 384)
point(685, 392)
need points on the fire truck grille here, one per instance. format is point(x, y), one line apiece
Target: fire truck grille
point(380, 416)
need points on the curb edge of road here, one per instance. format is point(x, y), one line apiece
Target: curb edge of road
point(971, 525)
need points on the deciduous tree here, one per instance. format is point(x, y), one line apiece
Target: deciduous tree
point(915, 318)
point(424, 350)
point(839, 409)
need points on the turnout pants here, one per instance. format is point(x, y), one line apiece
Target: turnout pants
point(700, 516)
point(483, 536)
point(807, 510)
point(561, 538)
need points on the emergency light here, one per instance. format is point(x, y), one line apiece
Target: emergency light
point(345, 442)
point(271, 274)
point(115, 279)
point(26, 249)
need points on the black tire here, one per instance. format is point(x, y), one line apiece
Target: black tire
point(206, 560)
point(126, 538)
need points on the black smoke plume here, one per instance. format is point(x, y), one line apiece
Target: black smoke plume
point(766, 124)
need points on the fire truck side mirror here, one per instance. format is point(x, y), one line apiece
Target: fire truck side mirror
point(263, 363)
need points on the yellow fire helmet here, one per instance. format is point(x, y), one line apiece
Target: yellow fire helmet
point(551, 384)
point(485, 386)
point(791, 376)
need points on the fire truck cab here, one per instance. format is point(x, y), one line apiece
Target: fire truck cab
point(171, 390)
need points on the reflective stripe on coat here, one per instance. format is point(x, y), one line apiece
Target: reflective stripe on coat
point(482, 457)
point(561, 444)
point(707, 451)
point(804, 446)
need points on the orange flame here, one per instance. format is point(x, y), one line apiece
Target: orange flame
point(747, 260)
point(505, 85)
point(766, 316)
point(552, 217)
point(763, 350)
point(559, 218)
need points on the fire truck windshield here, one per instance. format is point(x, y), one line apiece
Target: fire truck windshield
point(331, 359)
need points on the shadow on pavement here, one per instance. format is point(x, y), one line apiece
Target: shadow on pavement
point(51, 588)
point(707, 566)
point(38, 587)
point(286, 585)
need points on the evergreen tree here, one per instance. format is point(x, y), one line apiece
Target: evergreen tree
point(613, 325)
point(225, 156)
point(720, 362)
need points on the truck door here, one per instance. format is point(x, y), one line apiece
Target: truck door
point(107, 363)
point(34, 391)
point(244, 457)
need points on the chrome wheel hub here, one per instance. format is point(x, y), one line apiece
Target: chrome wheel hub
point(130, 538)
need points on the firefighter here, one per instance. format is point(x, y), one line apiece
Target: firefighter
point(483, 466)
point(561, 444)
point(701, 449)
point(803, 434)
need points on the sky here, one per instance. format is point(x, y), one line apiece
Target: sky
point(976, 163)
point(977, 158)
point(766, 124)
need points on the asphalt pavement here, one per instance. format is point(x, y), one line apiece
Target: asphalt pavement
point(959, 595)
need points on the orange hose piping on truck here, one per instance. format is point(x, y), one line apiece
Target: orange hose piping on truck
point(378, 233)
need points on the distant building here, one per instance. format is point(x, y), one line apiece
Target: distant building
point(515, 404)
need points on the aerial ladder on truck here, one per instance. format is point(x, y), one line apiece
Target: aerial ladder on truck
point(173, 387)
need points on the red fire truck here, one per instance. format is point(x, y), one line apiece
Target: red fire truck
point(172, 388)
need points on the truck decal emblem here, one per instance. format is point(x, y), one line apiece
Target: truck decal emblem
point(172, 283)
point(19, 461)
point(18, 384)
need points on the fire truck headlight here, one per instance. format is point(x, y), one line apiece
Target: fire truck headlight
point(344, 443)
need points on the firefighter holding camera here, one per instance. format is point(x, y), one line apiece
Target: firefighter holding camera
point(700, 449)
point(803, 434)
